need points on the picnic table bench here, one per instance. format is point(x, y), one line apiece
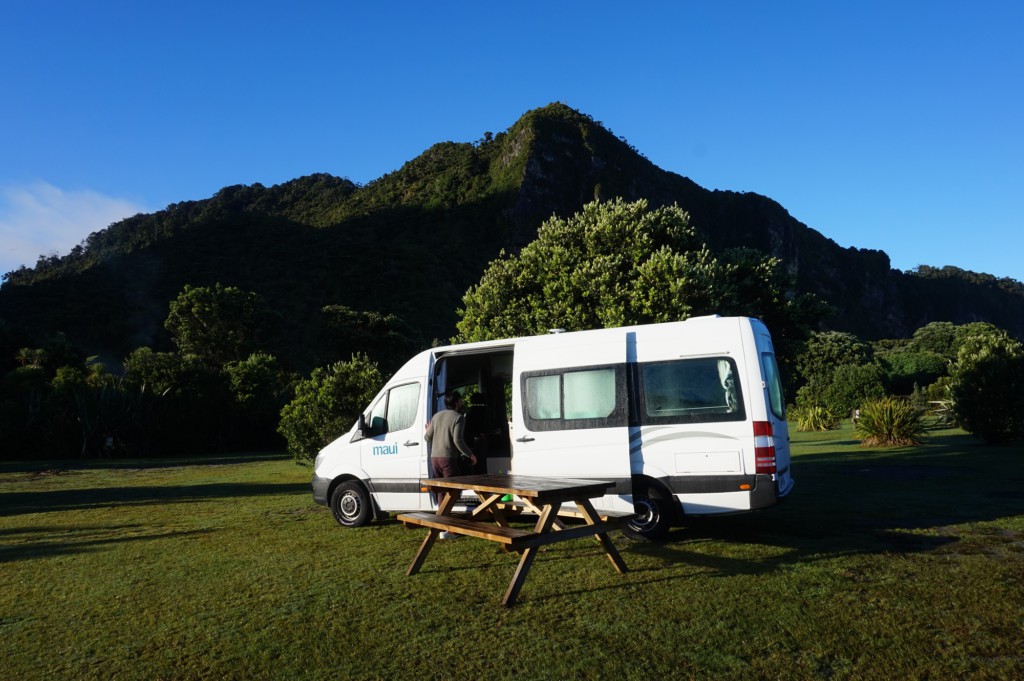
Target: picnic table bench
point(488, 520)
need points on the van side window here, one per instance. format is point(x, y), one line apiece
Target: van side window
point(774, 383)
point(698, 390)
point(395, 410)
point(566, 399)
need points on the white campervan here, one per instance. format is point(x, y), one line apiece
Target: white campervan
point(687, 418)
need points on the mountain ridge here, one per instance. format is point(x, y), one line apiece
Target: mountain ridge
point(411, 242)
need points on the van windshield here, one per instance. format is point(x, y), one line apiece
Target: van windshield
point(690, 391)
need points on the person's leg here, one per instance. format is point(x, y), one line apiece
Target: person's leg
point(445, 468)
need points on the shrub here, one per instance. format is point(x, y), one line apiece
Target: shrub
point(815, 418)
point(852, 385)
point(890, 422)
point(327, 404)
point(987, 387)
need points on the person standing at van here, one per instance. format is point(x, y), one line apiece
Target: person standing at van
point(445, 433)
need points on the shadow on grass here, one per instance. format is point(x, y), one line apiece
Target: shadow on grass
point(861, 501)
point(62, 466)
point(17, 503)
point(76, 540)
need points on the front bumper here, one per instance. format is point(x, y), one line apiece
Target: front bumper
point(320, 489)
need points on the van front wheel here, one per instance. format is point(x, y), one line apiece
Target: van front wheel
point(653, 516)
point(350, 504)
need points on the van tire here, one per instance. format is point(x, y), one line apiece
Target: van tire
point(654, 515)
point(351, 505)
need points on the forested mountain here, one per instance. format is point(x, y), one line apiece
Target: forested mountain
point(410, 243)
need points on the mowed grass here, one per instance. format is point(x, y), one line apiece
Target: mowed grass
point(902, 563)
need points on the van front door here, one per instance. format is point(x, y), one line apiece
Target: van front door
point(394, 452)
point(570, 411)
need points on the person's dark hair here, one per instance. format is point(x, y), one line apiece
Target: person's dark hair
point(451, 398)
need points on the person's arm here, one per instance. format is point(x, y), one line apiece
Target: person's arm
point(460, 440)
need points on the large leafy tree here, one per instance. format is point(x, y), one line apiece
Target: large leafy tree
point(828, 350)
point(936, 337)
point(218, 324)
point(988, 385)
point(617, 263)
point(838, 371)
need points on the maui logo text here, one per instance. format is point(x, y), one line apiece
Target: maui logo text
point(382, 450)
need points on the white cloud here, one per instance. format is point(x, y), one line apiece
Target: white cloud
point(38, 218)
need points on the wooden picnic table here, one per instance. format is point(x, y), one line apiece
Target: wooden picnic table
point(488, 520)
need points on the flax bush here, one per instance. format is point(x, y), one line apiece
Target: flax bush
point(815, 419)
point(890, 422)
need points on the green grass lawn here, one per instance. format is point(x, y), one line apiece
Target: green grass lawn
point(888, 564)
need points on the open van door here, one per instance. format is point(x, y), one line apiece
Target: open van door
point(570, 411)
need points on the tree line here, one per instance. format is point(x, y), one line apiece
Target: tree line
point(613, 263)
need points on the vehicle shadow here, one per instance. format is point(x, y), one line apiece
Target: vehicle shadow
point(897, 501)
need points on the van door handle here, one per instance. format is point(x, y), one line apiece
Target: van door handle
point(524, 439)
point(410, 444)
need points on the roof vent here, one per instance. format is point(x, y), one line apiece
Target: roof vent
point(556, 330)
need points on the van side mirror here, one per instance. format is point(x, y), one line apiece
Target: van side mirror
point(361, 430)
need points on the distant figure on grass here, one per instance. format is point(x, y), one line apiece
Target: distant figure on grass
point(445, 433)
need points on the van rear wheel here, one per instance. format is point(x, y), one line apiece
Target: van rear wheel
point(653, 515)
point(350, 504)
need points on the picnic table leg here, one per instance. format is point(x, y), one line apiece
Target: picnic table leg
point(447, 501)
point(590, 513)
point(543, 525)
point(533, 507)
point(421, 555)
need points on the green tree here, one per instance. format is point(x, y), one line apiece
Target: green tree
point(257, 386)
point(218, 324)
point(937, 337)
point(851, 386)
point(385, 338)
point(327, 404)
point(255, 383)
point(155, 373)
point(22, 414)
point(826, 351)
point(987, 386)
point(184, 402)
point(617, 263)
point(905, 369)
point(106, 412)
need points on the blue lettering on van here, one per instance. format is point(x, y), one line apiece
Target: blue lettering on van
point(383, 450)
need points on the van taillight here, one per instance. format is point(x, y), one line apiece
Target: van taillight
point(764, 448)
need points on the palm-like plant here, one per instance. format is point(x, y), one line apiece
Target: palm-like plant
point(815, 419)
point(890, 422)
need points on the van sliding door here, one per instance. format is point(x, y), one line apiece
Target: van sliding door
point(570, 411)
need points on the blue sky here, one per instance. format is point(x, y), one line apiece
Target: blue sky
point(886, 125)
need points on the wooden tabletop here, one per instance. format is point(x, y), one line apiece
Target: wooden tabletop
point(524, 486)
